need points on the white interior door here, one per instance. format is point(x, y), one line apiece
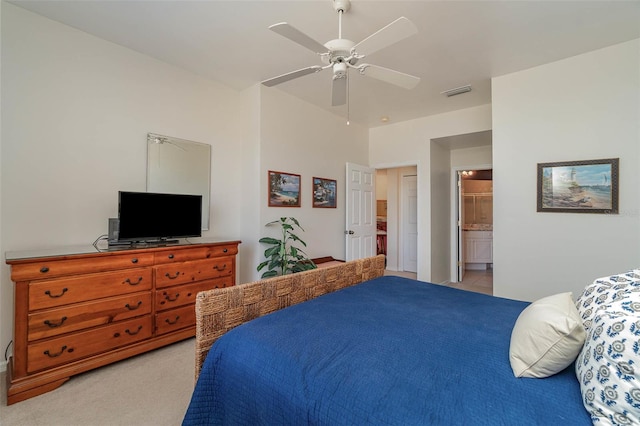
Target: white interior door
point(460, 224)
point(410, 223)
point(360, 208)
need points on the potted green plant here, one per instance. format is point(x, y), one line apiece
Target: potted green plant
point(283, 257)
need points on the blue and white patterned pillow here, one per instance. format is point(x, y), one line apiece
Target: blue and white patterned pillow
point(604, 291)
point(608, 366)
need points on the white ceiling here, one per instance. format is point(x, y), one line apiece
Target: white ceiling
point(459, 42)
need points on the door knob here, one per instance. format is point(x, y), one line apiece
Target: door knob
point(349, 232)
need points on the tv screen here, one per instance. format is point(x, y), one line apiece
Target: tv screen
point(148, 216)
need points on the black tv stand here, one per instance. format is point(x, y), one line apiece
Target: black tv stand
point(120, 243)
point(160, 242)
point(143, 243)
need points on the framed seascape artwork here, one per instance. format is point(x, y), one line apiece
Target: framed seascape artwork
point(284, 189)
point(324, 193)
point(589, 186)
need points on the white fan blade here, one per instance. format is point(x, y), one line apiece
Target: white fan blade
point(399, 29)
point(298, 36)
point(339, 91)
point(389, 76)
point(291, 75)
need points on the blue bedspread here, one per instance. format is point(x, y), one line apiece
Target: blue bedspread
point(389, 351)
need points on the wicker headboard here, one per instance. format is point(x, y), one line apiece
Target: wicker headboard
point(220, 310)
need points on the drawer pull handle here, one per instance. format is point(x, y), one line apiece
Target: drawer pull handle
point(133, 308)
point(168, 297)
point(55, 296)
point(225, 250)
point(171, 256)
point(128, 281)
point(134, 260)
point(168, 275)
point(44, 269)
point(168, 321)
point(133, 333)
point(217, 268)
point(50, 355)
point(54, 324)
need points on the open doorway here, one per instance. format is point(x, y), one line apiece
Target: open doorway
point(450, 156)
point(397, 218)
point(474, 202)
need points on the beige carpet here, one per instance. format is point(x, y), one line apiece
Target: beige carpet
point(150, 389)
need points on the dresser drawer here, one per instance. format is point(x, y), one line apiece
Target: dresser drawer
point(181, 255)
point(175, 319)
point(172, 297)
point(63, 291)
point(57, 321)
point(222, 250)
point(65, 349)
point(56, 268)
point(180, 273)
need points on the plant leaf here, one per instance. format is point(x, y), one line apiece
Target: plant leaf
point(294, 220)
point(268, 240)
point(269, 274)
point(287, 226)
point(272, 251)
point(296, 238)
point(262, 265)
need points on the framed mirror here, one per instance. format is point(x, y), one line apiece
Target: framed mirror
point(178, 166)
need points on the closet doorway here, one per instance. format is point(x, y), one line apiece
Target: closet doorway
point(397, 218)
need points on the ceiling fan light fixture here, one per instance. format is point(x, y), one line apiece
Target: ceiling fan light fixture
point(457, 91)
point(339, 70)
point(341, 54)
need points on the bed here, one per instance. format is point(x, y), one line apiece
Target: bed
point(372, 350)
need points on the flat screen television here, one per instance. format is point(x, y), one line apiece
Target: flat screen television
point(156, 217)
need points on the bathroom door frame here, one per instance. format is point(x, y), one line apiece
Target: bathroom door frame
point(456, 227)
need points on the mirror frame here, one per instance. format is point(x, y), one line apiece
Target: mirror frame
point(180, 166)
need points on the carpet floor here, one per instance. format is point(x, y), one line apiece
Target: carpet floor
point(149, 389)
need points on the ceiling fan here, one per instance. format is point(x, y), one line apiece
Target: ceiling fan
point(341, 54)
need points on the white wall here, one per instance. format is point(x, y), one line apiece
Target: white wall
point(5, 330)
point(75, 113)
point(299, 138)
point(250, 219)
point(77, 110)
point(440, 213)
point(581, 108)
point(409, 143)
point(481, 155)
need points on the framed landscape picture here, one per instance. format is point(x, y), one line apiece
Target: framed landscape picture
point(284, 189)
point(589, 186)
point(324, 193)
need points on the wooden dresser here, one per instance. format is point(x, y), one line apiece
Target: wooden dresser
point(77, 312)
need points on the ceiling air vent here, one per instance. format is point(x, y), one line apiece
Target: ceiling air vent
point(457, 91)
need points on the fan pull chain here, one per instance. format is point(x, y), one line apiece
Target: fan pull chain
point(347, 77)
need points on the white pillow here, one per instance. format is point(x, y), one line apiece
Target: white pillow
point(547, 337)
